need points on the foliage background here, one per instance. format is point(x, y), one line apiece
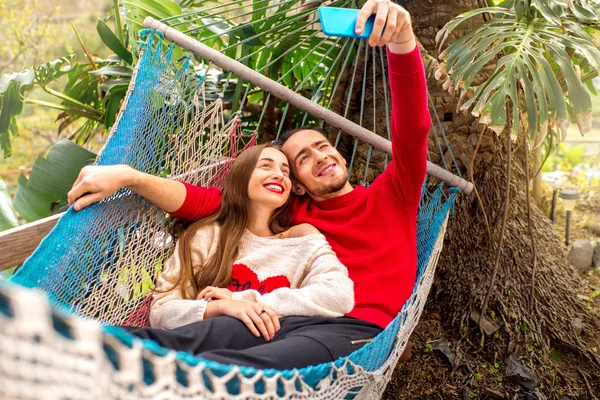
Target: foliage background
point(35, 32)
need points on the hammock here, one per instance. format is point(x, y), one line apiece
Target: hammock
point(98, 265)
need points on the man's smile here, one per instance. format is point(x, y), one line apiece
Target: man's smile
point(327, 169)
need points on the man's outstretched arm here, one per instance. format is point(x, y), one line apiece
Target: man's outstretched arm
point(410, 124)
point(95, 183)
point(410, 115)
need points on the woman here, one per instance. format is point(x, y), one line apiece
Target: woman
point(244, 262)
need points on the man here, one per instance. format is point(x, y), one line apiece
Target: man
point(372, 230)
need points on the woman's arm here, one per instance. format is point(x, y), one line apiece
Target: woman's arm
point(95, 183)
point(326, 290)
point(169, 309)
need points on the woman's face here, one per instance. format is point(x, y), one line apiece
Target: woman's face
point(270, 182)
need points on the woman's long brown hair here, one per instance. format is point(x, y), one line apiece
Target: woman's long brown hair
point(232, 219)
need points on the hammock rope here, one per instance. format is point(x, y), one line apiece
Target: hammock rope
point(98, 265)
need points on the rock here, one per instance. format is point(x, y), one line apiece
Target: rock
point(519, 374)
point(580, 255)
point(577, 324)
point(596, 256)
point(489, 327)
point(492, 394)
point(442, 348)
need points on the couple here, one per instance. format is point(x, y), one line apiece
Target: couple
point(302, 313)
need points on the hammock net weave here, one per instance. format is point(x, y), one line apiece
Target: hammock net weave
point(97, 267)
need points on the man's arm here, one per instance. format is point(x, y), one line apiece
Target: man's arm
point(95, 183)
point(410, 115)
point(410, 124)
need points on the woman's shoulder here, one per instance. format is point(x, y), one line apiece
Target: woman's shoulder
point(205, 237)
point(207, 229)
point(301, 230)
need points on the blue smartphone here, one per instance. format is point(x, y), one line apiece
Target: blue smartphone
point(337, 21)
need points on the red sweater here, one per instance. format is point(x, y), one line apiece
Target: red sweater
point(372, 230)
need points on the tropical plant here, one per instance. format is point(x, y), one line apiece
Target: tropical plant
point(92, 91)
point(537, 56)
point(545, 56)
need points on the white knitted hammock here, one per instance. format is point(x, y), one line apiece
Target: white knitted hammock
point(97, 267)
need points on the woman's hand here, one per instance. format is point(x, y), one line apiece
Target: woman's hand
point(95, 183)
point(214, 293)
point(260, 319)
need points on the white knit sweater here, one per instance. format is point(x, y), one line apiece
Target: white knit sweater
point(293, 276)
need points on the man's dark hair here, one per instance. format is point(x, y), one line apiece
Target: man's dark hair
point(287, 134)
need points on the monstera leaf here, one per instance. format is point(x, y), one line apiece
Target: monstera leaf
point(543, 57)
point(12, 88)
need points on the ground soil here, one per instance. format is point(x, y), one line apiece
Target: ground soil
point(561, 375)
point(429, 376)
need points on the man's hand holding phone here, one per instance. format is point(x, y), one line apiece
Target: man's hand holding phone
point(382, 21)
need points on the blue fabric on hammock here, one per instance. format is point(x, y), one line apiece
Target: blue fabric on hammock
point(66, 273)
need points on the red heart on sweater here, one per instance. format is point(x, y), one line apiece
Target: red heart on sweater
point(243, 278)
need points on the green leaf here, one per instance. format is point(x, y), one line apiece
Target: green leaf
point(578, 95)
point(532, 112)
point(548, 12)
point(30, 203)
point(116, 85)
point(244, 32)
point(521, 7)
point(452, 24)
point(138, 10)
point(553, 89)
point(8, 218)
point(216, 25)
point(52, 70)
point(259, 11)
point(113, 70)
point(112, 42)
point(50, 180)
point(12, 88)
point(112, 104)
point(24, 80)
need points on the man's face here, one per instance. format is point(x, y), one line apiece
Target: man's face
point(319, 169)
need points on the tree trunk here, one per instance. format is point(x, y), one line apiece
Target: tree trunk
point(465, 267)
